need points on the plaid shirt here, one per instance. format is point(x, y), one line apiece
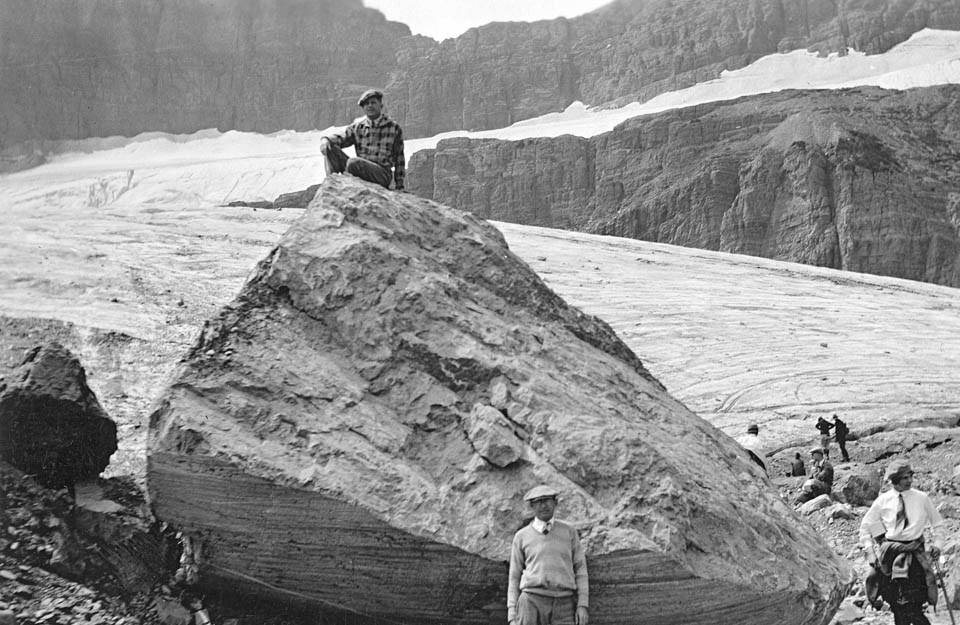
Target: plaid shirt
point(379, 140)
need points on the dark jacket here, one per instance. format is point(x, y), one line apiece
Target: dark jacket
point(894, 560)
point(823, 471)
point(824, 426)
point(841, 430)
point(797, 467)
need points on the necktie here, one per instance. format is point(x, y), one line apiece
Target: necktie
point(546, 529)
point(901, 514)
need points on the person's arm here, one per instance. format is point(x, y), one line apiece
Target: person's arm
point(870, 527)
point(343, 139)
point(513, 578)
point(583, 581)
point(936, 526)
point(399, 162)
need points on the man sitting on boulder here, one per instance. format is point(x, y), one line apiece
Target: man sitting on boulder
point(821, 477)
point(379, 145)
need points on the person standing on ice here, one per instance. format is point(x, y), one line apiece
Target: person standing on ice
point(824, 427)
point(378, 141)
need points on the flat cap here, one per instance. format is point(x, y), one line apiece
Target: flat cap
point(897, 469)
point(369, 93)
point(816, 450)
point(540, 492)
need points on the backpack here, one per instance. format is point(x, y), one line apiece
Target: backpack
point(842, 429)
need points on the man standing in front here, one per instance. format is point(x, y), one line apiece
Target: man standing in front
point(892, 535)
point(379, 145)
point(547, 583)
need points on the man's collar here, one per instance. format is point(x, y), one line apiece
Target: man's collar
point(540, 525)
point(380, 121)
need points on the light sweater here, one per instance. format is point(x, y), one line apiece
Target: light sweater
point(551, 564)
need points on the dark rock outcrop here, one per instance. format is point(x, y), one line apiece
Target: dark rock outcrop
point(356, 431)
point(293, 199)
point(82, 68)
point(51, 424)
point(864, 180)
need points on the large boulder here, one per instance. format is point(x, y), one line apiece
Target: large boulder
point(51, 424)
point(858, 484)
point(356, 431)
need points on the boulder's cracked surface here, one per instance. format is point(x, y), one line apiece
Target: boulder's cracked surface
point(356, 430)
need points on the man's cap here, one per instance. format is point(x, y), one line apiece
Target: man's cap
point(753, 429)
point(897, 469)
point(540, 492)
point(816, 450)
point(370, 93)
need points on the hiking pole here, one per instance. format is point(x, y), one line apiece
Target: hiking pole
point(943, 587)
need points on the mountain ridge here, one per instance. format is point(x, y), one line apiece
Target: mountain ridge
point(861, 179)
point(92, 68)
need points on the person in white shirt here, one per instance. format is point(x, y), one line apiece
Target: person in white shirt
point(547, 583)
point(751, 442)
point(892, 533)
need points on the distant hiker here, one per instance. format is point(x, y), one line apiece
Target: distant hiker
point(547, 583)
point(821, 477)
point(751, 442)
point(379, 145)
point(840, 433)
point(797, 468)
point(824, 426)
point(892, 535)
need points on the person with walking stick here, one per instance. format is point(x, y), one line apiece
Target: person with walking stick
point(892, 533)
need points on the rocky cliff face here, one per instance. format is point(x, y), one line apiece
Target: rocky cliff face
point(356, 431)
point(501, 73)
point(85, 68)
point(863, 180)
